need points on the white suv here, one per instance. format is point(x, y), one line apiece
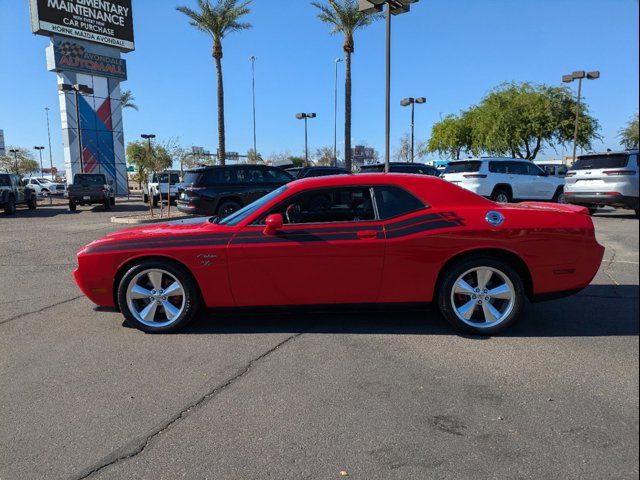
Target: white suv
point(505, 180)
point(600, 179)
point(157, 187)
point(44, 186)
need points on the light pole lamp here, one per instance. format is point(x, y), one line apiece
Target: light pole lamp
point(148, 137)
point(410, 101)
point(77, 89)
point(394, 7)
point(306, 117)
point(15, 157)
point(579, 75)
point(39, 149)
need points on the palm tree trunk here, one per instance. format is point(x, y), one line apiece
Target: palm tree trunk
point(221, 137)
point(347, 111)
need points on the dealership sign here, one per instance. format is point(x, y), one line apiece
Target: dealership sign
point(109, 22)
point(74, 57)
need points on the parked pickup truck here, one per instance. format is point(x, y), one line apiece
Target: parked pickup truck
point(13, 192)
point(90, 189)
point(157, 186)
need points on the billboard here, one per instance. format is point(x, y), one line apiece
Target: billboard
point(101, 21)
point(65, 55)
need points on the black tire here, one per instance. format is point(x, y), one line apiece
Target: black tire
point(113, 201)
point(228, 207)
point(72, 206)
point(559, 196)
point(33, 202)
point(192, 295)
point(501, 194)
point(10, 206)
point(592, 210)
point(145, 198)
point(156, 200)
point(445, 292)
point(107, 204)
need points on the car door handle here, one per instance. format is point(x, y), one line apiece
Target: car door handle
point(367, 234)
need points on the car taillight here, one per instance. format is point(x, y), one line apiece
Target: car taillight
point(620, 172)
point(475, 175)
point(570, 174)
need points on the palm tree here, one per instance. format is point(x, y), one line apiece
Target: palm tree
point(345, 17)
point(218, 21)
point(128, 100)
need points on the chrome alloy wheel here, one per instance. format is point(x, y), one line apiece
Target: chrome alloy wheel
point(483, 297)
point(156, 298)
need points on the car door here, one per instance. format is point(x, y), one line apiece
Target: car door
point(416, 238)
point(19, 188)
point(329, 251)
point(544, 185)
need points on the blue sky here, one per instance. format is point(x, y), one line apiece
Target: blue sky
point(451, 52)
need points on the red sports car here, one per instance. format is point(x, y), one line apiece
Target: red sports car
point(372, 238)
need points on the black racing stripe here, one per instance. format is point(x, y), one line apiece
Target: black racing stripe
point(319, 231)
point(212, 236)
point(149, 244)
point(411, 221)
point(298, 238)
point(423, 227)
point(430, 220)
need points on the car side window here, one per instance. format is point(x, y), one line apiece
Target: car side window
point(395, 201)
point(5, 181)
point(533, 169)
point(277, 176)
point(328, 205)
point(633, 160)
point(518, 168)
point(498, 167)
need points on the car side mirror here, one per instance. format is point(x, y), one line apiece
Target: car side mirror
point(273, 223)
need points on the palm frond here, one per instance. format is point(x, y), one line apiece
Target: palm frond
point(218, 19)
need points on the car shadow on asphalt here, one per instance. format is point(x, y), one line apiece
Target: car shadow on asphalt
point(48, 211)
point(598, 311)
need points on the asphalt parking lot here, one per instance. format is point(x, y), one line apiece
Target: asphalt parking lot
point(290, 395)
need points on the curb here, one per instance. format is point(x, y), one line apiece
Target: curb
point(139, 221)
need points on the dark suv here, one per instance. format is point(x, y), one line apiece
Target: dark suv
point(223, 190)
point(401, 167)
point(13, 192)
point(308, 172)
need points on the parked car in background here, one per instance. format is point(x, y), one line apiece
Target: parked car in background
point(401, 167)
point(308, 172)
point(157, 186)
point(554, 169)
point(90, 189)
point(505, 180)
point(601, 179)
point(221, 191)
point(392, 239)
point(13, 192)
point(44, 186)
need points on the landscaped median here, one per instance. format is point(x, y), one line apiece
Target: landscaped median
point(140, 219)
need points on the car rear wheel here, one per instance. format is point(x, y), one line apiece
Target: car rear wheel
point(481, 295)
point(593, 210)
point(228, 207)
point(158, 297)
point(72, 206)
point(10, 206)
point(107, 203)
point(559, 196)
point(501, 196)
point(33, 202)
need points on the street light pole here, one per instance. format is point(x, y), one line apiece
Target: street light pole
point(49, 136)
point(306, 117)
point(579, 75)
point(405, 103)
point(253, 76)
point(15, 157)
point(39, 149)
point(335, 118)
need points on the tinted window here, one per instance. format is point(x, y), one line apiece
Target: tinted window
point(163, 178)
point(191, 178)
point(601, 161)
point(244, 213)
point(87, 180)
point(463, 167)
point(371, 168)
point(518, 168)
point(499, 167)
point(324, 172)
point(533, 169)
point(395, 201)
point(274, 175)
point(250, 175)
point(4, 181)
point(350, 204)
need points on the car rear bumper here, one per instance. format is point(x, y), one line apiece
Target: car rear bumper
point(601, 198)
point(186, 207)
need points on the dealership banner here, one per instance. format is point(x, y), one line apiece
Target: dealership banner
point(109, 22)
point(75, 57)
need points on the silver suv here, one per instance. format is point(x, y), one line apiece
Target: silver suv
point(601, 179)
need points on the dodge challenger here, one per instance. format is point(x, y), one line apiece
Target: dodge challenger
point(365, 239)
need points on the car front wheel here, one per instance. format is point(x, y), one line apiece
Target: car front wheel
point(158, 297)
point(481, 295)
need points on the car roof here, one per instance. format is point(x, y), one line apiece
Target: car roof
point(619, 152)
point(212, 167)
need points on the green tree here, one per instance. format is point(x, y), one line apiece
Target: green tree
point(137, 156)
point(218, 21)
point(297, 161)
point(324, 156)
point(521, 119)
point(629, 136)
point(452, 136)
point(127, 100)
point(254, 157)
point(24, 164)
point(345, 18)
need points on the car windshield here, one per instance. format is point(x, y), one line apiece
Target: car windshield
point(463, 167)
point(601, 161)
point(43, 180)
point(242, 214)
point(87, 180)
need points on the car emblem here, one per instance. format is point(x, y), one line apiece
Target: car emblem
point(495, 219)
